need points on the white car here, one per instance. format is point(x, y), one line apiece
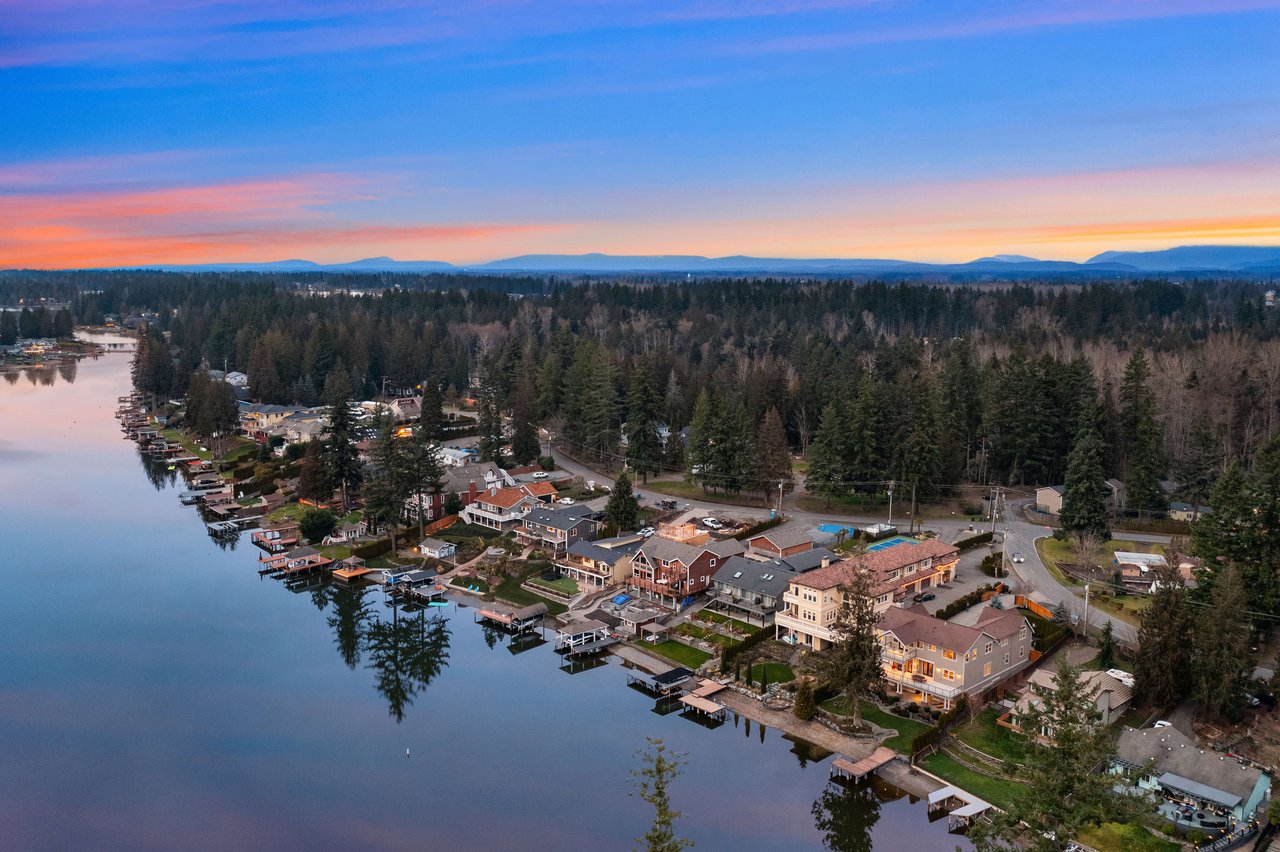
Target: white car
point(645, 531)
point(711, 523)
point(1018, 557)
point(567, 501)
point(542, 474)
point(1162, 724)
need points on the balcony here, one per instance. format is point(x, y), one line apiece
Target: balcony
point(900, 655)
point(921, 683)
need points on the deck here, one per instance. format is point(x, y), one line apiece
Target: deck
point(843, 767)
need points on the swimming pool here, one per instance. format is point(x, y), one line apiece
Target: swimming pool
point(836, 529)
point(890, 542)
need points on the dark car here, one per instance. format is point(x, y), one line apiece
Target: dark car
point(924, 596)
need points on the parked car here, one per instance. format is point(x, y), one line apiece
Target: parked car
point(567, 501)
point(1162, 724)
point(542, 474)
point(1018, 557)
point(924, 596)
point(645, 531)
point(712, 524)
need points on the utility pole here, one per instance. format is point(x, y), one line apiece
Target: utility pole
point(1085, 632)
point(913, 509)
point(781, 483)
point(890, 502)
point(995, 507)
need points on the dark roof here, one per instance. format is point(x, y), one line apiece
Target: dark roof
point(760, 578)
point(591, 550)
point(673, 676)
point(807, 560)
point(1172, 752)
point(559, 519)
point(784, 537)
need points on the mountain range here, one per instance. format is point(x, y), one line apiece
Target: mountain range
point(1248, 260)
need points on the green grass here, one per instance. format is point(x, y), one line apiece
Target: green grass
point(680, 653)
point(1125, 837)
point(997, 792)
point(772, 672)
point(908, 729)
point(176, 437)
point(563, 585)
point(337, 551)
point(986, 736)
point(732, 623)
point(468, 582)
point(512, 591)
point(693, 491)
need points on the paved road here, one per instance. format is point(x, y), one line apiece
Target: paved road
point(1020, 536)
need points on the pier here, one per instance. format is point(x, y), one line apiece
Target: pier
point(520, 621)
point(962, 807)
point(849, 770)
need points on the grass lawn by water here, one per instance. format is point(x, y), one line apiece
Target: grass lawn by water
point(511, 590)
point(468, 582)
point(986, 736)
point(997, 792)
point(771, 672)
point(908, 729)
point(732, 623)
point(680, 653)
point(563, 585)
point(1124, 837)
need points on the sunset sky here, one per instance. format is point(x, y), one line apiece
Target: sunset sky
point(188, 131)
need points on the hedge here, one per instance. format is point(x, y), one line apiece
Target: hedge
point(729, 653)
point(373, 549)
point(974, 541)
point(962, 603)
point(757, 528)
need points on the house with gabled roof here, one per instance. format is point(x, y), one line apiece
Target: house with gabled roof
point(751, 589)
point(673, 573)
point(554, 529)
point(599, 564)
point(779, 542)
point(505, 508)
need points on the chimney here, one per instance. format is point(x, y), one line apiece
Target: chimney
point(826, 560)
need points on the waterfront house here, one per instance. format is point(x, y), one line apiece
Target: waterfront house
point(437, 549)
point(599, 564)
point(813, 599)
point(1193, 788)
point(277, 538)
point(344, 533)
point(504, 508)
point(937, 661)
point(777, 543)
point(674, 572)
point(468, 483)
point(751, 590)
point(1111, 696)
point(258, 420)
point(554, 529)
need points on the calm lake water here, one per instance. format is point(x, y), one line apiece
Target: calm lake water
point(155, 693)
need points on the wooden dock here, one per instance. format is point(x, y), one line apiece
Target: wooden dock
point(846, 769)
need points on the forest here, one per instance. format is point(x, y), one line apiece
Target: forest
point(930, 383)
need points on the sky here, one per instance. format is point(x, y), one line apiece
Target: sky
point(195, 131)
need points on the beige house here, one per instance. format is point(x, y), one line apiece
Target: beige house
point(813, 600)
point(937, 661)
point(1111, 696)
point(1049, 499)
point(599, 564)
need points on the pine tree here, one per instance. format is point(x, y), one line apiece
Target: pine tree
point(313, 480)
point(698, 453)
point(644, 450)
point(771, 457)
point(853, 662)
point(431, 419)
point(1107, 647)
point(525, 446)
point(864, 461)
point(342, 460)
point(1084, 495)
point(828, 456)
point(8, 328)
point(388, 487)
point(1162, 669)
point(921, 451)
point(805, 707)
point(622, 512)
point(1142, 438)
point(1200, 464)
point(1225, 535)
point(1221, 661)
point(600, 421)
point(489, 424)
point(659, 769)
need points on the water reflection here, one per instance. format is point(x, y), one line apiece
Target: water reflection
point(349, 620)
point(42, 375)
point(405, 654)
point(159, 473)
point(846, 814)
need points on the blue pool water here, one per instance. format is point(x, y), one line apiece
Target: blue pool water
point(836, 529)
point(890, 542)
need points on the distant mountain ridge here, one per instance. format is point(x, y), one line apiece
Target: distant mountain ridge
point(1257, 260)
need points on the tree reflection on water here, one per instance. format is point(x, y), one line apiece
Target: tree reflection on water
point(846, 814)
point(405, 653)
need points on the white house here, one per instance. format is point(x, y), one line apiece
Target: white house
point(437, 549)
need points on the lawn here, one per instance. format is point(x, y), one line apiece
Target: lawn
point(731, 623)
point(337, 552)
point(997, 792)
point(771, 672)
point(693, 491)
point(982, 733)
point(563, 585)
point(908, 729)
point(176, 437)
point(512, 591)
point(681, 653)
point(1124, 837)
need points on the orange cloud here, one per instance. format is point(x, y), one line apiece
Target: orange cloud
point(238, 221)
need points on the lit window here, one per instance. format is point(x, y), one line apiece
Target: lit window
point(986, 670)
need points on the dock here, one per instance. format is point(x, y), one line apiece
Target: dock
point(583, 638)
point(666, 683)
point(520, 621)
point(962, 807)
point(846, 769)
point(233, 524)
point(704, 706)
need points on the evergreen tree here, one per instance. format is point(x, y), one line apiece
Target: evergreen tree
point(730, 447)
point(315, 524)
point(8, 328)
point(1162, 670)
point(313, 479)
point(1062, 791)
point(921, 451)
point(423, 470)
point(771, 457)
point(525, 446)
point(622, 512)
point(1085, 494)
point(805, 707)
point(600, 422)
point(342, 460)
point(1222, 660)
point(1142, 438)
point(853, 663)
point(644, 450)
point(388, 487)
point(698, 453)
point(431, 419)
point(452, 503)
point(1107, 647)
point(659, 769)
point(491, 439)
point(1224, 536)
point(828, 456)
point(1200, 464)
point(863, 459)
point(673, 451)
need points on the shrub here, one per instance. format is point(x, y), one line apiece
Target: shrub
point(294, 452)
point(974, 541)
point(757, 528)
point(547, 463)
point(373, 549)
point(315, 524)
point(729, 653)
point(805, 706)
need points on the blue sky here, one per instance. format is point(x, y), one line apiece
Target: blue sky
point(215, 131)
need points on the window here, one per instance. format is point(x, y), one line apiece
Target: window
point(933, 647)
point(949, 654)
point(737, 574)
point(986, 670)
point(947, 674)
point(988, 649)
point(1006, 658)
point(1022, 632)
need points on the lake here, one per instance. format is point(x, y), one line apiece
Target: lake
point(155, 693)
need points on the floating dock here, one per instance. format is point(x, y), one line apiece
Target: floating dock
point(850, 770)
